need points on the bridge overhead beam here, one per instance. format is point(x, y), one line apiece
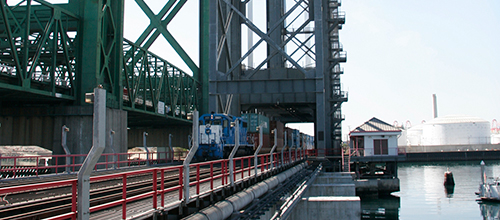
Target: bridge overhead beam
point(270, 86)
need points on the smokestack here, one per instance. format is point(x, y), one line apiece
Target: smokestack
point(434, 105)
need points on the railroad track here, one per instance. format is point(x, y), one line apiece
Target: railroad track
point(55, 201)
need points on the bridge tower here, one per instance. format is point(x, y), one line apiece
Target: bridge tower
point(282, 84)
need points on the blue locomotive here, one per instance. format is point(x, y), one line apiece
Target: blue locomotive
point(217, 136)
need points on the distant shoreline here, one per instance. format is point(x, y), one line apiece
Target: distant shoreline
point(453, 156)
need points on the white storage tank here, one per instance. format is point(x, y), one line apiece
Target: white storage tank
point(495, 138)
point(456, 130)
point(414, 135)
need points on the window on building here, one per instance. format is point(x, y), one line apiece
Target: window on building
point(380, 147)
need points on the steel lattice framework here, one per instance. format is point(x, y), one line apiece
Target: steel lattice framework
point(152, 84)
point(38, 49)
point(58, 52)
point(280, 86)
point(55, 53)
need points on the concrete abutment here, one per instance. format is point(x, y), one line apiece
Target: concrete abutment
point(42, 126)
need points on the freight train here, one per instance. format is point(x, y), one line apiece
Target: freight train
point(217, 135)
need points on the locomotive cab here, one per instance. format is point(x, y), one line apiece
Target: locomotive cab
point(217, 134)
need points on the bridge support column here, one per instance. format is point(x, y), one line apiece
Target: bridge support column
point(41, 126)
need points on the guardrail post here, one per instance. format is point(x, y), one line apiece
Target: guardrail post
point(190, 156)
point(233, 152)
point(275, 131)
point(0, 159)
point(283, 149)
point(65, 147)
point(144, 135)
point(111, 133)
point(290, 148)
point(261, 134)
point(171, 148)
point(99, 143)
point(297, 143)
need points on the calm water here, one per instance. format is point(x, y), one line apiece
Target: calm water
point(423, 195)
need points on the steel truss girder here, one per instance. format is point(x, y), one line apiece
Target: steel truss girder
point(290, 38)
point(264, 37)
point(223, 43)
point(39, 56)
point(149, 80)
point(160, 27)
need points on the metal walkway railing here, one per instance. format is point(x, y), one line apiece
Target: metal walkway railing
point(158, 189)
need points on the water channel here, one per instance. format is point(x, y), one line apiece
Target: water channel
point(422, 194)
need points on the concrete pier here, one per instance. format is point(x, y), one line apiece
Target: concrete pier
point(328, 207)
point(331, 196)
point(376, 186)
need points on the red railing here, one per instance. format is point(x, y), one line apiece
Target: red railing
point(324, 152)
point(20, 166)
point(338, 152)
point(244, 171)
point(401, 150)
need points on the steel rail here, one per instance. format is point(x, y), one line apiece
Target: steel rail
point(100, 198)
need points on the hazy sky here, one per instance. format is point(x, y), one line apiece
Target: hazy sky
point(399, 53)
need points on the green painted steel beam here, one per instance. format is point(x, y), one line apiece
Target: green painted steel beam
point(89, 51)
point(58, 66)
point(203, 74)
point(101, 37)
point(44, 63)
point(154, 85)
point(160, 27)
point(54, 95)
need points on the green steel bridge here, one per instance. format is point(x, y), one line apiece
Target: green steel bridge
point(52, 54)
point(55, 53)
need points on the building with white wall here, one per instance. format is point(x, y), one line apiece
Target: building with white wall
point(375, 138)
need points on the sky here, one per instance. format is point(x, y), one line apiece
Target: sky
point(399, 53)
